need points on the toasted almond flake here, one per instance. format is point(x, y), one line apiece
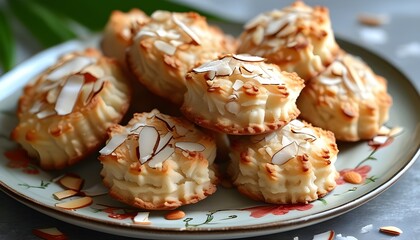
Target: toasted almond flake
point(68, 95)
point(45, 113)
point(256, 21)
point(366, 228)
point(286, 31)
point(97, 86)
point(296, 124)
point(352, 177)
point(186, 29)
point(168, 122)
point(165, 47)
point(95, 190)
point(237, 85)
point(86, 93)
point(248, 58)
point(52, 95)
point(391, 230)
point(161, 156)
point(325, 236)
point(337, 69)
point(258, 35)
point(94, 70)
point(309, 135)
point(285, 153)
point(64, 194)
point(190, 146)
point(379, 140)
point(395, 131)
point(233, 107)
point(341, 237)
point(49, 233)
point(76, 203)
point(142, 218)
point(114, 143)
point(249, 67)
point(285, 141)
point(36, 107)
point(384, 130)
point(149, 139)
point(329, 81)
point(164, 141)
point(70, 67)
point(71, 182)
point(176, 43)
point(160, 15)
point(144, 32)
point(274, 26)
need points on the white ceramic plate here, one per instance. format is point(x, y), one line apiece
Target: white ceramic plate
point(225, 214)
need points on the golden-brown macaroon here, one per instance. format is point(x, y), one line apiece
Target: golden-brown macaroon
point(241, 95)
point(158, 162)
point(65, 112)
point(166, 48)
point(294, 164)
point(297, 38)
point(348, 98)
point(119, 32)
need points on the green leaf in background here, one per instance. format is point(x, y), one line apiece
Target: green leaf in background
point(48, 27)
point(94, 14)
point(7, 44)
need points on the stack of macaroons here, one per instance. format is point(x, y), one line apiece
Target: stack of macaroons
point(247, 104)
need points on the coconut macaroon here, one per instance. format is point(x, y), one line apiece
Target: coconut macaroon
point(65, 112)
point(119, 32)
point(158, 162)
point(166, 48)
point(292, 165)
point(348, 98)
point(297, 38)
point(241, 95)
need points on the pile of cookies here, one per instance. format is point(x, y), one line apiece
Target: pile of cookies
point(240, 97)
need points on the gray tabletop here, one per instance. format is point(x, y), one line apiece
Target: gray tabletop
point(397, 206)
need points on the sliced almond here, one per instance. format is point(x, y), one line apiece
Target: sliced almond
point(70, 67)
point(329, 81)
point(186, 29)
point(142, 218)
point(164, 141)
point(165, 47)
point(94, 70)
point(379, 140)
point(49, 234)
point(248, 58)
point(384, 130)
point(64, 194)
point(352, 177)
point(175, 215)
point(395, 131)
point(76, 203)
point(391, 230)
point(237, 85)
point(285, 153)
point(67, 98)
point(161, 156)
point(190, 146)
point(114, 143)
point(274, 26)
point(72, 182)
point(325, 236)
point(256, 21)
point(45, 113)
point(149, 139)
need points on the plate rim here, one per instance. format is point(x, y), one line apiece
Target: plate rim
point(233, 231)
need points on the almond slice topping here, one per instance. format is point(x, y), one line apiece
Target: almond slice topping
point(325, 236)
point(72, 182)
point(64, 194)
point(68, 96)
point(186, 29)
point(248, 58)
point(238, 84)
point(149, 139)
point(142, 218)
point(114, 143)
point(190, 146)
point(76, 203)
point(70, 67)
point(285, 153)
point(161, 156)
point(391, 230)
point(165, 47)
point(49, 234)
